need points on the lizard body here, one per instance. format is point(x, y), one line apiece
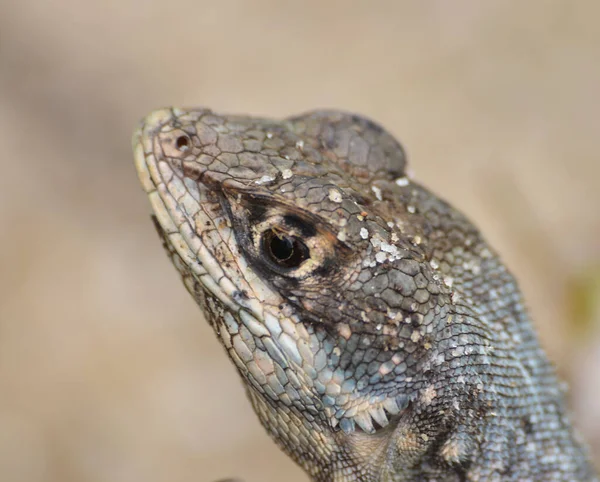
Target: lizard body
point(378, 336)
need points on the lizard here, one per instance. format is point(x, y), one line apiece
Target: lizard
point(378, 336)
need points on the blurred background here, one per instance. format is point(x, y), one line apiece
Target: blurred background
point(108, 373)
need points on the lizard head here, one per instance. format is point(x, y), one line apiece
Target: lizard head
point(301, 241)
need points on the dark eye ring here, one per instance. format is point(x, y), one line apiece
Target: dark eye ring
point(285, 251)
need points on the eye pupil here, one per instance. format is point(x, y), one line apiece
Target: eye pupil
point(183, 143)
point(285, 251)
point(281, 248)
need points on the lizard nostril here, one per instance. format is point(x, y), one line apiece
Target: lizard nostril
point(183, 143)
point(175, 143)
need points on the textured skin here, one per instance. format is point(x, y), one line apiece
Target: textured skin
point(397, 347)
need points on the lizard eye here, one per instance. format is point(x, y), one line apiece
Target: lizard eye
point(285, 251)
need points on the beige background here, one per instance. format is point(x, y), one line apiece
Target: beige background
point(107, 370)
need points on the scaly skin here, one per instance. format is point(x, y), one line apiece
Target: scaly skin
point(378, 336)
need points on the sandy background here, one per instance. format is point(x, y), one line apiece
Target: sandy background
point(107, 371)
